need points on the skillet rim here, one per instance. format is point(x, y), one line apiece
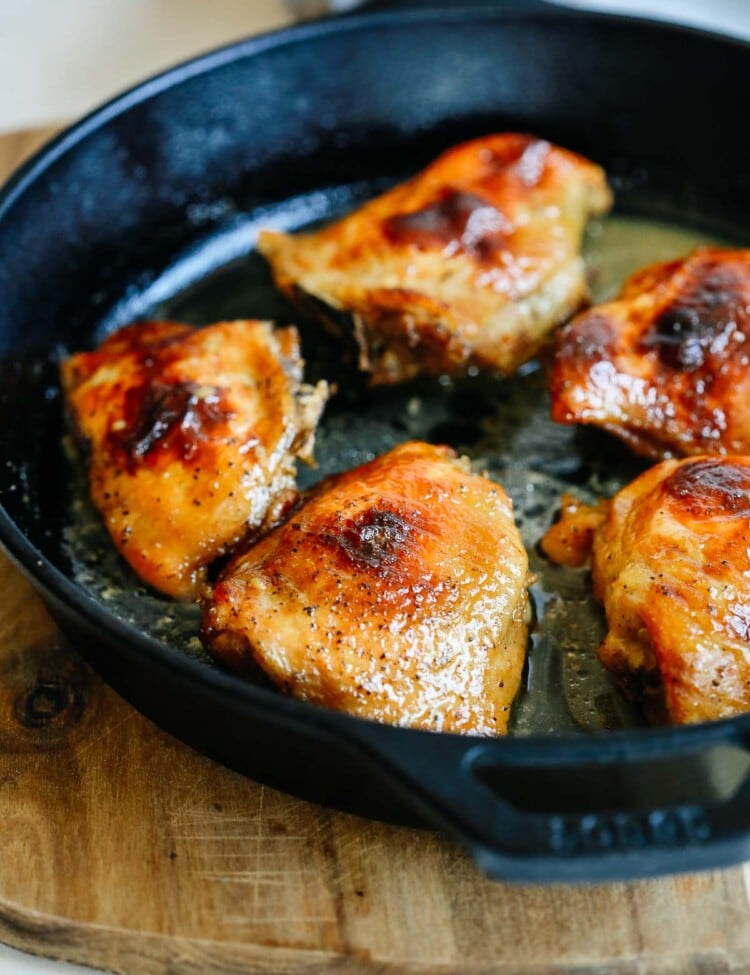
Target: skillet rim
point(563, 748)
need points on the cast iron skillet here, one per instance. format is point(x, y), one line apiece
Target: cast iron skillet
point(109, 217)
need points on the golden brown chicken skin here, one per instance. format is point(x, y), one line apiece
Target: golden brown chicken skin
point(666, 367)
point(397, 592)
point(469, 264)
point(191, 436)
point(569, 540)
point(671, 565)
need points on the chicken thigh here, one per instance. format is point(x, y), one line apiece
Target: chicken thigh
point(397, 592)
point(671, 565)
point(191, 436)
point(666, 366)
point(469, 264)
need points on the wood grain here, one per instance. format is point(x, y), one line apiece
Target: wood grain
point(123, 849)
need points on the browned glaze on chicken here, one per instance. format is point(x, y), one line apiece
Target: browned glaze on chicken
point(666, 367)
point(469, 264)
point(671, 565)
point(397, 592)
point(191, 436)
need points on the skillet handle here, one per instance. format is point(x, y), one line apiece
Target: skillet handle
point(524, 817)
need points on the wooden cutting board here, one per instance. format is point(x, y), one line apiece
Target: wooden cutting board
point(123, 849)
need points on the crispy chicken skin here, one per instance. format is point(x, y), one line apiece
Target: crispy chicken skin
point(469, 264)
point(191, 436)
point(397, 592)
point(671, 564)
point(666, 367)
point(569, 540)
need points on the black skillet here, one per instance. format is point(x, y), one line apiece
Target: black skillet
point(125, 215)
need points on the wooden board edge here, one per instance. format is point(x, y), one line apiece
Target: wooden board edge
point(142, 953)
point(118, 951)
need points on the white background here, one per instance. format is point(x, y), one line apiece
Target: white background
point(59, 58)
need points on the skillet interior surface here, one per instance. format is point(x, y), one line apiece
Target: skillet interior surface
point(151, 208)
